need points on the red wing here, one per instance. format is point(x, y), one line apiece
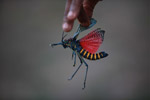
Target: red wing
point(93, 40)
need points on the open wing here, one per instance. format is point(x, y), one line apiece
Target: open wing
point(93, 40)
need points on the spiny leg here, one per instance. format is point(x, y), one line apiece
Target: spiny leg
point(92, 23)
point(74, 55)
point(85, 73)
point(55, 44)
point(86, 70)
point(76, 70)
point(82, 28)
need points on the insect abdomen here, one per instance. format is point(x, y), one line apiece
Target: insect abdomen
point(91, 56)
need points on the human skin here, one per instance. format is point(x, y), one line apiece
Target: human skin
point(78, 9)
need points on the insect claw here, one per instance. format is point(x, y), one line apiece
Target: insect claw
point(84, 86)
point(69, 79)
point(50, 44)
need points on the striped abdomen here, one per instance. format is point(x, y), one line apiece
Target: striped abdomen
point(91, 56)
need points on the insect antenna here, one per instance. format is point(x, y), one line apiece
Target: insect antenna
point(60, 43)
point(63, 36)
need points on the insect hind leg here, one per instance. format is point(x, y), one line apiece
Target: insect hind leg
point(84, 84)
point(75, 72)
point(81, 61)
point(92, 23)
point(82, 28)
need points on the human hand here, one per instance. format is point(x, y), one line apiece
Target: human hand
point(78, 9)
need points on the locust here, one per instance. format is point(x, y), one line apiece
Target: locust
point(86, 47)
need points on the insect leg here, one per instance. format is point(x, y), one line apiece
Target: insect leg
point(82, 28)
point(74, 55)
point(75, 72)
point(52, 45)
point(85, 73)
point(74, 59)
point(86, 70)
point(92, 23)
point(76, 69)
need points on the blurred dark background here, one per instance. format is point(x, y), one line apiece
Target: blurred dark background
point(31, 70)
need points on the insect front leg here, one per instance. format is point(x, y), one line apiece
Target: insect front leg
point(74, 55)
point(52, 45)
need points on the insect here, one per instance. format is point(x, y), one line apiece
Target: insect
point(85, 47)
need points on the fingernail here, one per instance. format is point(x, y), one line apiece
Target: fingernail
point(70, 15)
point(65, 26)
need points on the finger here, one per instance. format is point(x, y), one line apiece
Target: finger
point(67, 25)
point(83, 18)
point(86, 12)
point(89, 5)
point(67, 7)
point(74, 9)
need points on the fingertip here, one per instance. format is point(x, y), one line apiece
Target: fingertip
point(71, 15)
point(66, 27)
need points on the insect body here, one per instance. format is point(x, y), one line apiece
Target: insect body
point(85, 47)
